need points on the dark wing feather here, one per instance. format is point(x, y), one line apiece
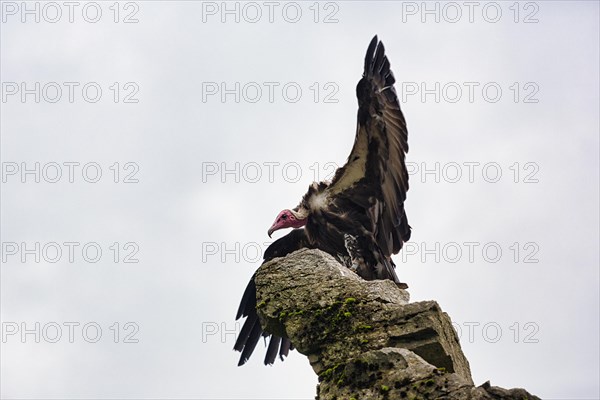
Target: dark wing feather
point(272, 350)
point(286, 346)
point(251, 342)
point(375, 172)
point(248, 301)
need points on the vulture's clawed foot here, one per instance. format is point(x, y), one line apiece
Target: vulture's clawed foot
point(357, 262)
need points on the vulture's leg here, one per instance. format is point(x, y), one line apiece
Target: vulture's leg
point(357, 261)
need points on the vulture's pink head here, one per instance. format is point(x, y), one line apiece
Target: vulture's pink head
point(287, 219)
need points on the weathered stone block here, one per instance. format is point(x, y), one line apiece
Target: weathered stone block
point(363, 338)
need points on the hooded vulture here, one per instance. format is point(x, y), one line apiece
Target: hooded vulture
point(359, 216)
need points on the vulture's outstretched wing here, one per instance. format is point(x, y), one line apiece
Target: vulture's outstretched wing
point(375, 176)
point(251, 330)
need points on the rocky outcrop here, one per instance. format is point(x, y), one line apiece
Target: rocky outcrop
point(363, 338)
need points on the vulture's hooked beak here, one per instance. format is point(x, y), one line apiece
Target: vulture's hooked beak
point(274, 227)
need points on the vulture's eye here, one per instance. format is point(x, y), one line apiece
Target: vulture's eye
point(284, 216)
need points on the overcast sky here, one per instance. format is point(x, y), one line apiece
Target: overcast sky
point(147, 147)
